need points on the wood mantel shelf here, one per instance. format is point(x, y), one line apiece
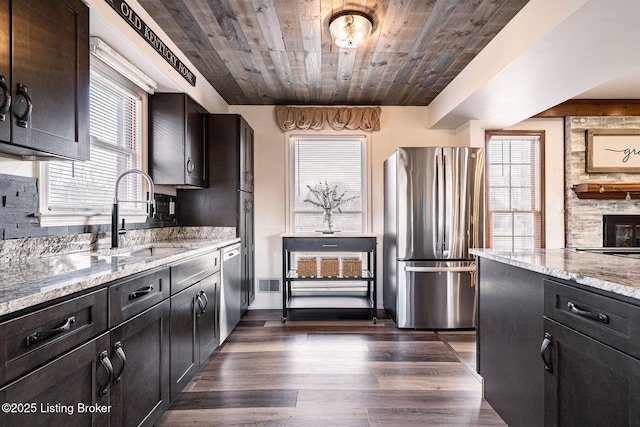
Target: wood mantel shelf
point(607, 191)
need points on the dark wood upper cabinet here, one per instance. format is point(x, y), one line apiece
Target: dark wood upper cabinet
point(177, 140)
point(45, 65)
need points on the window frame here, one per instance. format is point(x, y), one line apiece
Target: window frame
point(291, 137)
point(488, 217)
point(61, 216)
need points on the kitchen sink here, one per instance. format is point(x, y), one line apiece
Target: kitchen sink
point(151, 251)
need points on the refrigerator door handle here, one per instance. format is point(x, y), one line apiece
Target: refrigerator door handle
point(410, 269)
point(445, 191)
point(440, 201)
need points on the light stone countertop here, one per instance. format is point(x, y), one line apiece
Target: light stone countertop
point(30, 281)
point(617, 274)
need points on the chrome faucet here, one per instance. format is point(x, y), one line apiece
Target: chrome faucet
point(114, 211)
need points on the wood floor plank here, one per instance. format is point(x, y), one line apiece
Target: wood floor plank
point(250, 381)
point(483, 415)
point(445, 399)
point(285, 417)
point(212, 399)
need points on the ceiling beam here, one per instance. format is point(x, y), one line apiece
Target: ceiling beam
point(594, 107)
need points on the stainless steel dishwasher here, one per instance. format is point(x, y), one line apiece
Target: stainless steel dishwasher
point(230, 298)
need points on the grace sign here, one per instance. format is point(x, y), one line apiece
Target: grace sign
point(613, 150)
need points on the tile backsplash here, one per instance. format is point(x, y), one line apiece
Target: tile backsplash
point(19, 202)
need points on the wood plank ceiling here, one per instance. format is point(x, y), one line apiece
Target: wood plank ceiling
point(257, 52)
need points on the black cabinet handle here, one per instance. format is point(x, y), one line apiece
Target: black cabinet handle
point(6, 102)
point(117, 348)
point(43, 335)
point(190, 166)
point(543, 351)
point(200, 305)
point(206, 301)
point(23, 119)
point(104, 359)
point(140, 292)
point(600, 317)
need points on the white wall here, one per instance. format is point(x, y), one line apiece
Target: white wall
point(400, 126)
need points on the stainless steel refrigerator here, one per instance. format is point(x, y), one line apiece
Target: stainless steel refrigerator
point(433, 215)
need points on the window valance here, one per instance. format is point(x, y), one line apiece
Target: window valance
point(338, 118)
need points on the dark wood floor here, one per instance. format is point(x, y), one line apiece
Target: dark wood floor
point(335, 373)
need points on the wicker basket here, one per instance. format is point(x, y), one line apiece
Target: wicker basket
point(307, 266)
point(351, 267)
point(329, 267)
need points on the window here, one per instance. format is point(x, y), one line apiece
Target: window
point(339, 163)
point(73, 192)
point(515, 193)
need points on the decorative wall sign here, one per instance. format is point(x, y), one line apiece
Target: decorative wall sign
point(129, 15)
point(613, 150)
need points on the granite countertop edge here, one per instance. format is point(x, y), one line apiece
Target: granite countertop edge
point(617, 275)
point(28, 283)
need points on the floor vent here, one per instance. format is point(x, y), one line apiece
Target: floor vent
point(268, 285)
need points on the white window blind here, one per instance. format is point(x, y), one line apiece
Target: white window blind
point(515, 187)
point(337, 162)
point(116, 143)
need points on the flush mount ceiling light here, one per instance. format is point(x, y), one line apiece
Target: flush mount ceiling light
point(350, 29)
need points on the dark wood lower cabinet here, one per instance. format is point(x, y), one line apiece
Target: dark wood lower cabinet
point(195, 329)
point(588, 383)
point(184, 348)
point(209, 318)
point(510, 327)
point(140, 388)
point(72, 390)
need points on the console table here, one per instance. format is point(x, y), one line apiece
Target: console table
point(329, 243)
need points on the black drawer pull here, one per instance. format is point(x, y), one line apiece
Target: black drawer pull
point(117, 347)
point(140, 292)
point(588, 314)
point(43, 335)
point(543, 350)
point(104, 359)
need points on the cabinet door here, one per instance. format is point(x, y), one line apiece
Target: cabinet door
point(140, 357)
point(245, 233)
point(587, 382)
point(63, 389)
point(194, 146)
point(166, 138)
point(185, 349)
point(250, 249)
point(5, 73)
point(246, 156)
point(208, 314)
point(50, 74)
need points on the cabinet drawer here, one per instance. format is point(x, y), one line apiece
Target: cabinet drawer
point(603, 318)
point(329, 244)
point(186, 273)
point(134, 295)
point(31, 340)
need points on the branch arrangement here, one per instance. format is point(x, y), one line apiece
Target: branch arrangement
point(327, 198)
